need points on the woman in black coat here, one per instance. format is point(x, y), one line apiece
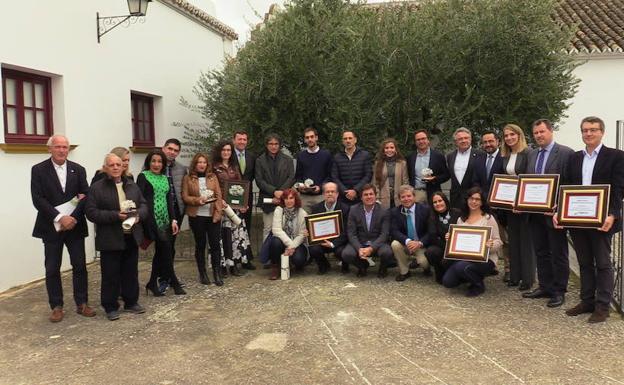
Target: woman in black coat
point(161, 226)
point(442, 217)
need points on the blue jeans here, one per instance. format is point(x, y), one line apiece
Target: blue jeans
point(464, 271)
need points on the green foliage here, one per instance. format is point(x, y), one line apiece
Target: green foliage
point(387, 71)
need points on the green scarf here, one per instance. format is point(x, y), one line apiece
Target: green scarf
point(160, 185)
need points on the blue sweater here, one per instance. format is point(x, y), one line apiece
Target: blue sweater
point(315, 166)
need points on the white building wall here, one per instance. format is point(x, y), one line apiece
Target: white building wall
point(599, 94)
point(91, 95)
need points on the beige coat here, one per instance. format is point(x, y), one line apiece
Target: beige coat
point(191, 197)
point(400, 178)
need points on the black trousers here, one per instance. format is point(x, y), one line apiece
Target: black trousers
point(53, 251)
point(174, 237)
point(435, 256)
point(162, 262)
point(551, 251)
point(317, 252)
point(204, 229)
point(276, 249)
point(464, 271)
point(384, 252)
point(120, 270)
point(593, 251)
point(521, 257)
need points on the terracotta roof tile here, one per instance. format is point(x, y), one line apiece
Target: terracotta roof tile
point(202, 17)
point(599, 23)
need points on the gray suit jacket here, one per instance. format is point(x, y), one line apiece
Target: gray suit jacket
point(556, 163)
point(358, 232)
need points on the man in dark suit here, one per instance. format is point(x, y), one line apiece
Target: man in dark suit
point(367, 229)
point(488, 163)
point(409, 229)
point(551, 245)
point(336, 245)
point(426, 157)
point(247, 166)
point(54, 182)
point(596, 164)
point(461, 164)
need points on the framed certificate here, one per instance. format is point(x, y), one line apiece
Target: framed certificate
point(468, 243)
point(583, 206)
point(323, 226)
point(236, 193)
point(537, 193)
point(503, 191)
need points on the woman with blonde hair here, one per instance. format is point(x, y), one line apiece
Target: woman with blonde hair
point(123, 154)
point(522, 260)
point(389, 173)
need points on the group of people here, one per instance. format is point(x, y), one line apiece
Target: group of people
point(392, 208)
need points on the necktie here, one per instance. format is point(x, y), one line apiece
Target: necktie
point(539, 168)
point(488, 165)
point(411, 231)
point(241, 162)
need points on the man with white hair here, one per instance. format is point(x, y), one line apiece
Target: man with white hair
point(461, 164)
point(58, 188)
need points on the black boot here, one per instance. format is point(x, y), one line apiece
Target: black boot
point(177, 287)
point(216, 274)
point(235, 272)
point(203, 277)
point(224, 272)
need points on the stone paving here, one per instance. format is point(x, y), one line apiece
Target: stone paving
point(330, 329)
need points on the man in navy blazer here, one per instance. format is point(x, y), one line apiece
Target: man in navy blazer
point(336, 245)
point(368, 229)
point(488, 163)
point(426, 157)
point(56, 181)
point(596, 164)
point(550, 244)
point(409, 229)
point(461, 164)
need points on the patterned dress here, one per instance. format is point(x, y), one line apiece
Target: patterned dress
point(235, 239)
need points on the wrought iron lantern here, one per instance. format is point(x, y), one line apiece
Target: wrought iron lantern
point(137, 10)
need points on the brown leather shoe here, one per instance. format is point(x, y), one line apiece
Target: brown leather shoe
point(275, 272)
point(57, 314)
point(580, 309)
point(600, 314)
point(85, 310)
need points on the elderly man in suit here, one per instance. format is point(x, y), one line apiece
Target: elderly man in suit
point(596, 164)
point(368, 229)
point(337, 245)
point(55, 182)
point(551, 245)
point(247, 165)
point(426, 157)
point(461, 164)
point(118, 246)
point(409, 229)
point(275, 172)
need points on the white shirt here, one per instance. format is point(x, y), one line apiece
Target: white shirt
point(511, 165)
point(61, 172)
point(461, 164)
point(314, 151)
point(204, 210)
point(589, 161)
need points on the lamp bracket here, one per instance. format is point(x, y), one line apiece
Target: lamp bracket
point(107, 23)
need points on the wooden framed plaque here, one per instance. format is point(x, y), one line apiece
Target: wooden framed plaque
point(537, 193)
point(583, 206)
point(236, 193)
point(468, 243)
point(503, 191)
point(323, 226)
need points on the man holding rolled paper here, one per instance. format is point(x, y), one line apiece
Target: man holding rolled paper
point(551, 245)
point(58, 188)
point(313, 170)
point(274, 173)
point(112, 203)
point(596, 164)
